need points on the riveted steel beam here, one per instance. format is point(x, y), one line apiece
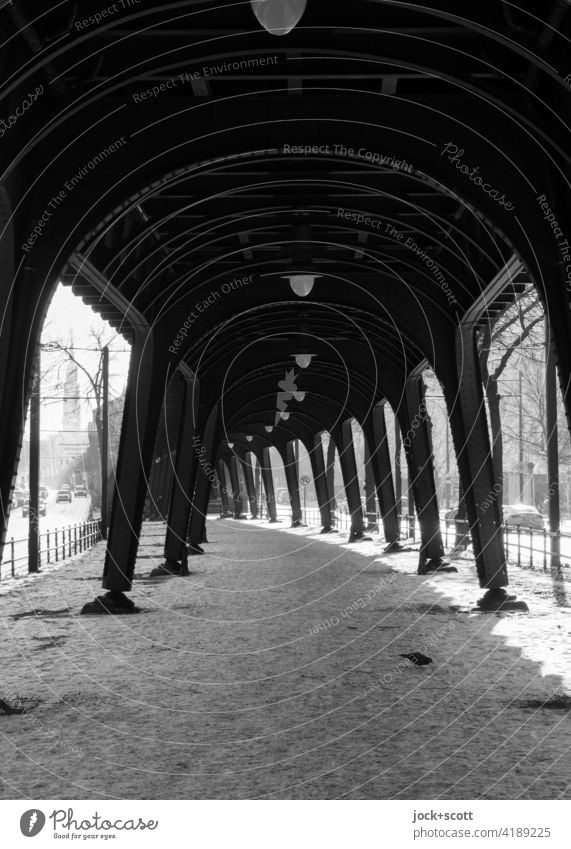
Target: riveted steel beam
point(185, 468)
point(416, 427)
point(376, 438)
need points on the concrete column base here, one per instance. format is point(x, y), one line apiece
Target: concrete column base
point(436, 564)
point(170, 567)
point(498, 600)
point(359, 536)
point(113, 602)
point(394, 547)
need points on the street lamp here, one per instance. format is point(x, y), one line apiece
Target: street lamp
point(278, 17)
point(303, 360)
point(301, 284)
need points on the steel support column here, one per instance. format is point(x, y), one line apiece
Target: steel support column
point(317, 460)
point(183, 479)
point(204, 475)
point(236, 489)
point(148, 374)
point(250, 486)
point(417, 441)
point(143, 403)
point(222, 477)
point(344, 439)
point(370, 500)
point(164, 483)
point(469, 425)
point(292, 480)
point(553, 504)
point(376, 437)
point(475, 463)
point(268, 481)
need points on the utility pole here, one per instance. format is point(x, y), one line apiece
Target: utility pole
point(398, 473)
point(552, 448)
point(521, 466)
point(258, 490)
point(447, 466)
point(105, 443)
point(34, 509)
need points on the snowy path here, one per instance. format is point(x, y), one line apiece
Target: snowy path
point(274, 671)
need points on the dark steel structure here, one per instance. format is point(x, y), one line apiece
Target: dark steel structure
point(175, 164)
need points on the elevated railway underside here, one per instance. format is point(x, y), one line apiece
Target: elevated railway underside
point(288, 230)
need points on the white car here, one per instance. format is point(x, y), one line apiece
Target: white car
point(524, 515)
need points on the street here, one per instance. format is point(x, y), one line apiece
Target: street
point(58, 517)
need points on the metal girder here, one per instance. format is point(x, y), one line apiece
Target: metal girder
point(324, 497)
point(185, 471)
point(292, 477)
point(417, 441)
point(343, 437)
point(197, 522)
point(375, 434)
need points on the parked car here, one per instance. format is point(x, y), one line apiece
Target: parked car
point(18, 497)
point(80, 492)
point(524, 515)
point(26, 508)
point(63, 495)
point(450, 516)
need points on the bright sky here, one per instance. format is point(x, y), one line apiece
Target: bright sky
point(69, 321)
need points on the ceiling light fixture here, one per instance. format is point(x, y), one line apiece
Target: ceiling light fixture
point(278, 17)
point(303, 360)
point(284, 416)
point(269, 428)
point(301, 284)
point(230, 445)
point(249, 439)
point(299, 396)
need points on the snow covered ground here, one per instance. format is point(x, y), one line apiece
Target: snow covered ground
point(274, 671)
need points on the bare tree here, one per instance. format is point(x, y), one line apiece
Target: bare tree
point(498, 342)
point(90, 367)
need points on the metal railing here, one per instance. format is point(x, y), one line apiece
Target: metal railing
point(532, 547)
point(525, 547)
point(342, 521)
point(54, 546)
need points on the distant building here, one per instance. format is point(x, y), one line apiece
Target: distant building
point(67, 448)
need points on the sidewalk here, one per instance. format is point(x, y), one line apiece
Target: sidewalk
point(273, 671)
